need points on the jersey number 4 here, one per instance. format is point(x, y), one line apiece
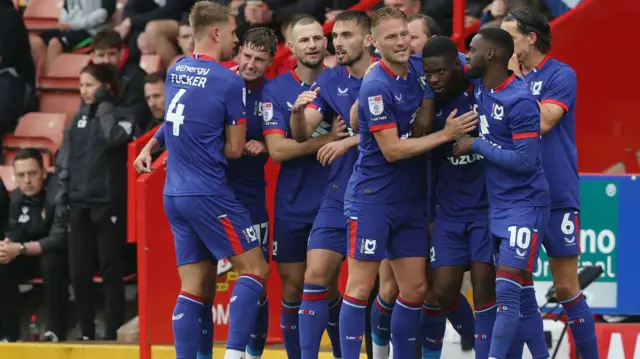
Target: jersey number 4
point(174, 114)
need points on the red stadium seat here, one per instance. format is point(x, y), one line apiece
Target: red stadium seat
point(12, 144)
point(151, 63)
point(43, 131)
point(65, 102)
point(64, 72)
point(42, 14)
point(38, 124)
point(6, 173)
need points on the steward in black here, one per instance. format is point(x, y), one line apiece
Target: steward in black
point(35, 245)
point(92, 165)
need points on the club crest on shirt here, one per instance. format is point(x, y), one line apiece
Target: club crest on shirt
point(536, 88)
point(267, 111)
point(376, 106)
point(498, 111)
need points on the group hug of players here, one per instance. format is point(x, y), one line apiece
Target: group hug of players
point(479, 148)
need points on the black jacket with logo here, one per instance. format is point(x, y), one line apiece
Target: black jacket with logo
point(38, 218)
point(92, 162)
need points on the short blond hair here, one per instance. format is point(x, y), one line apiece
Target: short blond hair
point(386, 13)
point(205, 14)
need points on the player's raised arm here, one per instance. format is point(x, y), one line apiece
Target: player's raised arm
point(306, 114)
point(275, 127)
point(525, 128)
point(558, 98)
point(381, 121)
point(236, 120)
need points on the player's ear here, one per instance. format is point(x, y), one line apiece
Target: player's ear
point(368, 40)
point(215, 33)
point(491, 54)
point(532, 38)
point(290, 46)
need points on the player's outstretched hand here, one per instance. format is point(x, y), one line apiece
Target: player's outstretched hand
point(463, 145)
point(254, 148)
point(339, 129)
point(455, 127)
point(304, 99)
point(332, 150)
point(142, 164)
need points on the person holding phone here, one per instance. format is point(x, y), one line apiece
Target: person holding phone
point(92, 176)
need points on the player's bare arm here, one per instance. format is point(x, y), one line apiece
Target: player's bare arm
point(304, 120)
point(395, 149)
point(353, 115)
point(550, 115)
point(255, 148)
point(425, 118)
point(142, 164)
point(332, 150)
point(284, 149)
point(236, 137)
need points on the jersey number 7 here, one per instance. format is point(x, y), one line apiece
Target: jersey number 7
point(484, 125)
point(174, 114)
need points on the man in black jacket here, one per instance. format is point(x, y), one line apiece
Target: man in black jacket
point(34, 246)
point(108, 47)
point(154, 94)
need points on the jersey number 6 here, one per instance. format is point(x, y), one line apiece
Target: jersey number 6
point(174, 114)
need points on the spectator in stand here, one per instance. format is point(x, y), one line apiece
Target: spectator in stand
point(79, 21)
point(442, 12)
point(160, 29)
point(17, 72)
point(421, 29)
point(408, 7)
point(498, 9)
point(186, 42)
point(276, 13)
point(154, 93)
point(494, 13)
point(92, 171)
point(108, 48)
point(35, 245)
point(137, 13)
point(185, 39)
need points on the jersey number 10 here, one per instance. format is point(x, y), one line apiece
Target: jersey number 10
point(174, 114)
